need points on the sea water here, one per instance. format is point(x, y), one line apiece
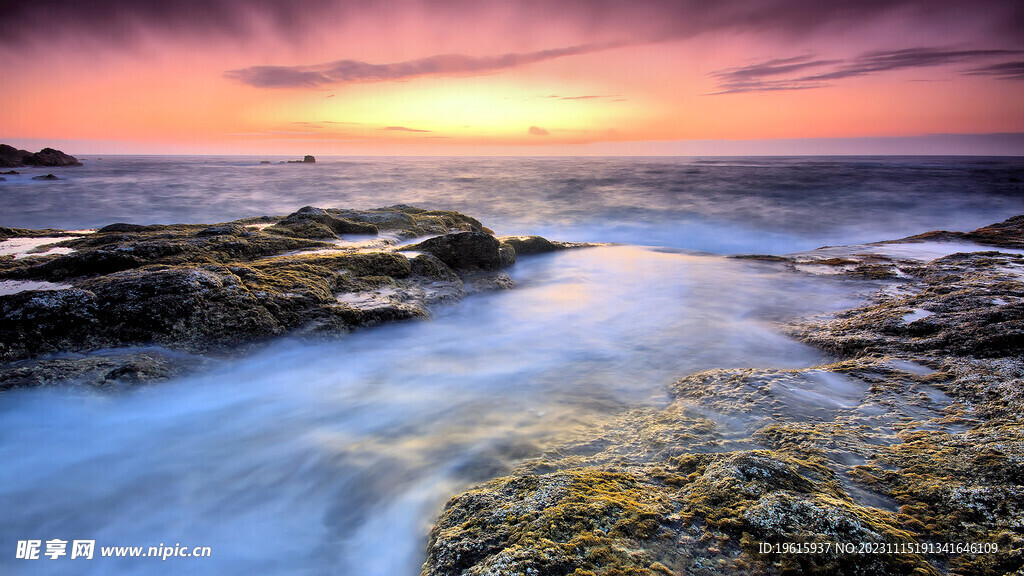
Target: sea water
point(335, 456)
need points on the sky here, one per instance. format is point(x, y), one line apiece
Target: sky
point(514, 77)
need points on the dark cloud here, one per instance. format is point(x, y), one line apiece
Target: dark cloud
point(803, 72)
point(874, 62)
point(351, 71)
point(404, 129)
point(39, 22)
point(762, 76)
point(1003, 70)
point(122, 22)
point(538, 131)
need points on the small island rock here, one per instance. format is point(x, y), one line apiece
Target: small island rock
point(12, 157)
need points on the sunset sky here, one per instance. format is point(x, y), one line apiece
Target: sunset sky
point(513, 77)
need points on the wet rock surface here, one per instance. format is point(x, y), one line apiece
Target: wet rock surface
point(213, 289)
point(909, 442)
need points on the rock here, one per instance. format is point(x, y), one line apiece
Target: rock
point(1009, 233)
point(45, 177)
point(6, 233)
point(524, 245)
point(214, 288)
point(126, 227)
point(565, 523)
point(913, 436)
point(229, 229)
point(11, 172)
point(463, 250)
point(305, 160)
point(12, 157)
point(310, 222)
point(507, 254)
point(102, 371)
point(51, 157)
point(265, 162)
point(2, 179)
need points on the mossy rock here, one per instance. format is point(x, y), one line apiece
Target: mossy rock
point(574, 522)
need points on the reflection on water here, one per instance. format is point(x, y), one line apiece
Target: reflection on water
point(333, 457)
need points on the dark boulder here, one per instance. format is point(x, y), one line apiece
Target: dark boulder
point(190, 308)
point(463, 250)
point(507, 254)
point(11, 157)
point(45, 177)
point(525, 245)
point(310, 222)
point(125, 227)
point(305, 160)
point(45, 322)
point(11, 172)
point(51, 157)
point(228, 229)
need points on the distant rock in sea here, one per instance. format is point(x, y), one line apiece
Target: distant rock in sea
point(11, 172)
point(307, 159)
point(265, 162)
point(45, 177)
point(11, 157)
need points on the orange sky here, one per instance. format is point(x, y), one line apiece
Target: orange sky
point(583, 77)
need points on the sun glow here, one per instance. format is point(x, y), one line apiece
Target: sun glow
point(462, 108)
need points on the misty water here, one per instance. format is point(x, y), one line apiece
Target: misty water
point(334, 456)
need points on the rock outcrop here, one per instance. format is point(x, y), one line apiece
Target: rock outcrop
point(204, 289)
point(11, 157)
point(904, 456)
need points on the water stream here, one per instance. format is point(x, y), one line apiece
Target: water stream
point(334, 457)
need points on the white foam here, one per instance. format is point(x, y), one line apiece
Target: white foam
point(22, 247)
point(915, 315)
point(8, 287)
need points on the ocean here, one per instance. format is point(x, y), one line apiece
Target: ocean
point(335, 456)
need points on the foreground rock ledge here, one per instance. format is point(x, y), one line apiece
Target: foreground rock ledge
point(912, 440)
point(199, 288)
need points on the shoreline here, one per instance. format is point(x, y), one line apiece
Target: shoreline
point(207, 291)
point(906, 440)
point(880, 462)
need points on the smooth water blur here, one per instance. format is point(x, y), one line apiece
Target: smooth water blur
point(334, 457)
point(720, 205)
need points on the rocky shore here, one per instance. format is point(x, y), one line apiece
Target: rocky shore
point(908, 448)
point(130, 303)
